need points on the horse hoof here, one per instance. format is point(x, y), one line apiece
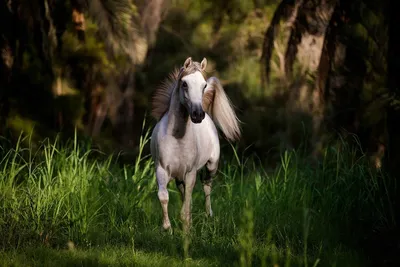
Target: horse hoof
point(167, 230)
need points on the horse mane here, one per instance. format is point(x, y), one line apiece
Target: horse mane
point(217, 104)
point(163, 93)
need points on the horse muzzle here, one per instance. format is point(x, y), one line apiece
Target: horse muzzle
point(197, 115)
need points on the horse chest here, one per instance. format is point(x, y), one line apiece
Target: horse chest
point(179, 157)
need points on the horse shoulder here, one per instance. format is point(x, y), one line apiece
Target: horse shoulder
point(157, 137)
point(207, 141)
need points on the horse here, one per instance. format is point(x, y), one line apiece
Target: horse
point(185, 139)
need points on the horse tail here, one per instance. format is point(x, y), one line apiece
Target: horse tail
point(221, 110)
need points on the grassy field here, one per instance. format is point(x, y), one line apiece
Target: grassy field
point(66, 205)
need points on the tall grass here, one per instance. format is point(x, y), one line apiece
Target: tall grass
point(298, 214)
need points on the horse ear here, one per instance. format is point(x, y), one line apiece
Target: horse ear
point(203, 64)
point(187, 63)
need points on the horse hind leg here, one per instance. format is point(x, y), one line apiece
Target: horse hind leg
point(181, 187)
point(162, 180)
point(211, 171)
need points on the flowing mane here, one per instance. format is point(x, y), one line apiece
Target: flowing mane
point(162, 95)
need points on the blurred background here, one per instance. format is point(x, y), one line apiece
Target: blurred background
point(300, 73)
point(315, 83)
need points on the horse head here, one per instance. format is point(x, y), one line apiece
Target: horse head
point(191, 86)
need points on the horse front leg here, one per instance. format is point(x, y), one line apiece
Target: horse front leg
point(162, 180)
point(211, 171)
point(186, 216)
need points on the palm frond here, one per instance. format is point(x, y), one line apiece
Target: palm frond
point(295, 37)
point(116, 22)
point(328, 53)
point(270, 36)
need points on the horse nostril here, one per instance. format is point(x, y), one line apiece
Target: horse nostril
point(195, 113)
point(202, 114)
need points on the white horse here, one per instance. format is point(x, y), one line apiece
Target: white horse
point(185, 137)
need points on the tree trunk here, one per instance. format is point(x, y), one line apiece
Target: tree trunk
point(298, 29)
point(393, 82)
point(339, 81)
point(392, 155)
point(324, 68)
point(123, 115)
point(78, 19)
point(284, 7)
point(8, 31)
point(150, 18)
point(93, 102)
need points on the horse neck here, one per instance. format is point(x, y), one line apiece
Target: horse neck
point(178, 117)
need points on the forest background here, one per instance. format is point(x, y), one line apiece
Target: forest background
point(312, 79)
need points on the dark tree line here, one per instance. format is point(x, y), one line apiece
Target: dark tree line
point(359, 53)
point(356, 89)
point(50, 47)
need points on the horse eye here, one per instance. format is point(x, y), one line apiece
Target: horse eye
point(205, 87)
point(184, 85)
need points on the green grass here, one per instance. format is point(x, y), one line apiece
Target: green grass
point(299, 214)
point(105, 256)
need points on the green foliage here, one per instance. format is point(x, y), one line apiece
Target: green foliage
point(296, 214)
point(55, 67)
point(115, 20)
point(87, 54)
point(230, 34)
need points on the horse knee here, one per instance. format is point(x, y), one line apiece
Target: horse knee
point(163, 196)
point(162, 180)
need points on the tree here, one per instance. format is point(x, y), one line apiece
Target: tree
point(325, 68)
point(62, 38)
point(284, 8)
point(393, 83)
